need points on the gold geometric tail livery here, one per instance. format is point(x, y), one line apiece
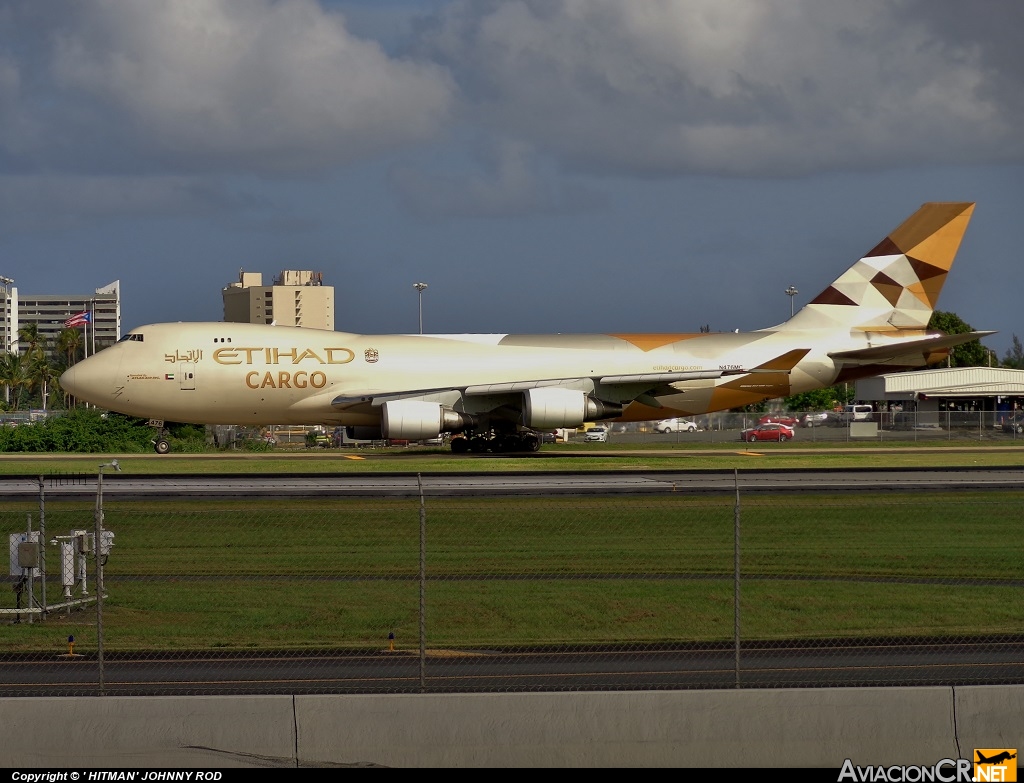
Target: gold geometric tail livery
point(498, 391)
point(895, 286)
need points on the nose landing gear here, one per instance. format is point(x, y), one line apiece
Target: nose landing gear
point(160, 443)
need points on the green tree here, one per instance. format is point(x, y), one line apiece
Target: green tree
point(820, 399)
point(40, 372)
point(14, 377)
point(29, 334)
point(1014, 357)
point(70, 343)
point(972, 354)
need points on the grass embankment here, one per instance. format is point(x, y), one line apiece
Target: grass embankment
point(342, 574)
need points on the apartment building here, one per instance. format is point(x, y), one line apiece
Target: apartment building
point(102, 326)
point(296, 298)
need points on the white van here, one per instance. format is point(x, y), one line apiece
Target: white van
point(857, 413)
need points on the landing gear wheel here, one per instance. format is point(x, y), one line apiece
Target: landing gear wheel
point(162, 446)
point(531, 443)
point(460, 445)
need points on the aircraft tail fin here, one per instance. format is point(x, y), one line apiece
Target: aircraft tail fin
point(896, 286)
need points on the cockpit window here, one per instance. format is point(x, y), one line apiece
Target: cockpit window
point(131, 336)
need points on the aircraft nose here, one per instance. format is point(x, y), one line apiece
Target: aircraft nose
point(89, 381)
point(69, 381)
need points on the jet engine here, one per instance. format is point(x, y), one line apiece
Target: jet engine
point(416, 419)
point(551, 407)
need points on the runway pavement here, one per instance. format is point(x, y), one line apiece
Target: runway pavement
point(120, 485)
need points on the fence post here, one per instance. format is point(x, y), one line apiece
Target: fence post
point(42, 541)
point(423, 586)
point(736, 575)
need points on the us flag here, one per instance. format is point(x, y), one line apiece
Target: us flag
point(79, 319)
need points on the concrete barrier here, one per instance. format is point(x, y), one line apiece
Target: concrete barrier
point(743, 728)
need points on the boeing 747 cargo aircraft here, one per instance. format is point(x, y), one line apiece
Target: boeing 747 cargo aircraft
point(498, 390)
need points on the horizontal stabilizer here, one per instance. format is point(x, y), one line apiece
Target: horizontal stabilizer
point(907, 348)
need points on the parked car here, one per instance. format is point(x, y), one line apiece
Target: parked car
point(779, 418)
point(1014, 424)
point(596, 435)
point(817, 419)
point(770, 431)
point(676, 425)
point(859, 412)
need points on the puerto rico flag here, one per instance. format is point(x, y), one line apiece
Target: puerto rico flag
point(79, 319)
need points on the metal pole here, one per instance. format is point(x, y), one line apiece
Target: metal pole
point(736, 576)
point(31, 570)
point(420, 288)
point(97, 537)
point(98, 547)
point(42, 539)
point(423, 587)
point(791, 292)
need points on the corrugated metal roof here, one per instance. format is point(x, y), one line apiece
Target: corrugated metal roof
point(957, 381)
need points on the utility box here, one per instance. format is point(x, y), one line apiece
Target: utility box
point(83, 542)
point(28, 554)
point(18, 566)
point(106, 541)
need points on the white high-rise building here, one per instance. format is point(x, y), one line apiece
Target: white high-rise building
point(102, 326)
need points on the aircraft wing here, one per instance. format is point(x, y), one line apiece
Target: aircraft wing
point(627, 386)
point(621, 388)
point(907, 349)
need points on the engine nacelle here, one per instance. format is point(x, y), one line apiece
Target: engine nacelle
point(550, 408)
point(416, 419)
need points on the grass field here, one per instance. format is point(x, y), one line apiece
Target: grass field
point(628, 570)
point(553, 457)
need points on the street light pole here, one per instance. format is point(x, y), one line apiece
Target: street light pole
point(420, 288)
point(791, 292)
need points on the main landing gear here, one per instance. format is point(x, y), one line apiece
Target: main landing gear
point(495, 443)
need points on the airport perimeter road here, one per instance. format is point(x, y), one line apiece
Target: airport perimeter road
point(120, 485)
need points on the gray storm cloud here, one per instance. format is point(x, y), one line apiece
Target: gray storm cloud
point(745, 87)
point(254, 86)
point(659, 88)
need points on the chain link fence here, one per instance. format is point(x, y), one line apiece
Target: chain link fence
point(513, 593)
point(896, 427)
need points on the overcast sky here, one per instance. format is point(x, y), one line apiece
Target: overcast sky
point(543, 165)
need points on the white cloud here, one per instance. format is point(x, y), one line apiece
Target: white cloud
point(259, 86)
point(744, 87)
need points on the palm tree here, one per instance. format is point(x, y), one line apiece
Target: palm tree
point(29, 334)
point(70, 343)
point(13, 375)
point(40, 371)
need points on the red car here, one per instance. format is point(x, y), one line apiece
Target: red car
point(779, 418)
point(770, 431)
